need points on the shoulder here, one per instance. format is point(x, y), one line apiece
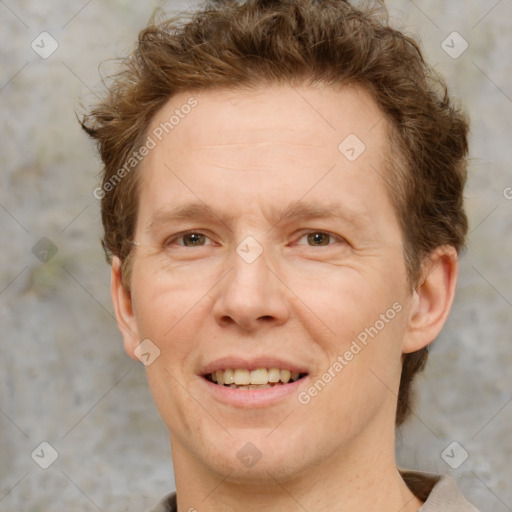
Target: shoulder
point(439, 492)
point(167, 504)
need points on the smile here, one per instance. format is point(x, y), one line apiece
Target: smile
point(260, 378)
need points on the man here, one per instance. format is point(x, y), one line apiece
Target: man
point(282, 204)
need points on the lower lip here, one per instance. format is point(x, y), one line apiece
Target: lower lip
point(247, 398)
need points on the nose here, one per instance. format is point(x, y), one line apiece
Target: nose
point(251, 296)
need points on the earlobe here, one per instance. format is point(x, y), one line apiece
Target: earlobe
point(122, 302)
point(432, 299)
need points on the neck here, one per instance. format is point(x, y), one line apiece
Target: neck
point(354, 480)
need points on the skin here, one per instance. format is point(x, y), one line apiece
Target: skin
point(244, 154)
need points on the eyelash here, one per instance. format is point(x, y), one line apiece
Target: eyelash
point(181, 235)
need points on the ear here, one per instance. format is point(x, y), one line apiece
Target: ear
point(432, 299)
point(122, 301)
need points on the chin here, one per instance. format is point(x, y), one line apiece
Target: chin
point(257, 455)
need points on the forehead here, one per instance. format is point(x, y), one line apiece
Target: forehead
point(279, 138)
point(317, 117)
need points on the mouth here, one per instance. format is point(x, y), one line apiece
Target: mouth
point(259, 378)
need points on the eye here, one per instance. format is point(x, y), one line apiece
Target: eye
point(198, 239)
point(189, 238)
point(320, 238)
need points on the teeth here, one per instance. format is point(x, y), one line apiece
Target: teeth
point(229, 376)
point(259, 376)
point(274, 375)
point(242, 378)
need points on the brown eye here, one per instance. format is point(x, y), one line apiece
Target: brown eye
point(187, 239)
point(318, 238)
point(194, 238)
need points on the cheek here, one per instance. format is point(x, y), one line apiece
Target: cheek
point(366, 311)
point(167, 319)
point(366, 368)
point(350, 299)
point(163, 301)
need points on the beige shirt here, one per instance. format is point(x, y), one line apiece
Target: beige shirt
point(438, 492)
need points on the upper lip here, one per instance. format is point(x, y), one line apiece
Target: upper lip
point(235, 362)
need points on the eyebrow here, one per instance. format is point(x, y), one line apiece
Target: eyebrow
point(297, 211)
point(303, 210)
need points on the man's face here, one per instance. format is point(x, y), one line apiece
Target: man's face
point(249, 288)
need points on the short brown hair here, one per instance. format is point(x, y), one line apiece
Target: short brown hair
point(248, 44)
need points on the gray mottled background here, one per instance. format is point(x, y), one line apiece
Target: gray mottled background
point(64, 376)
